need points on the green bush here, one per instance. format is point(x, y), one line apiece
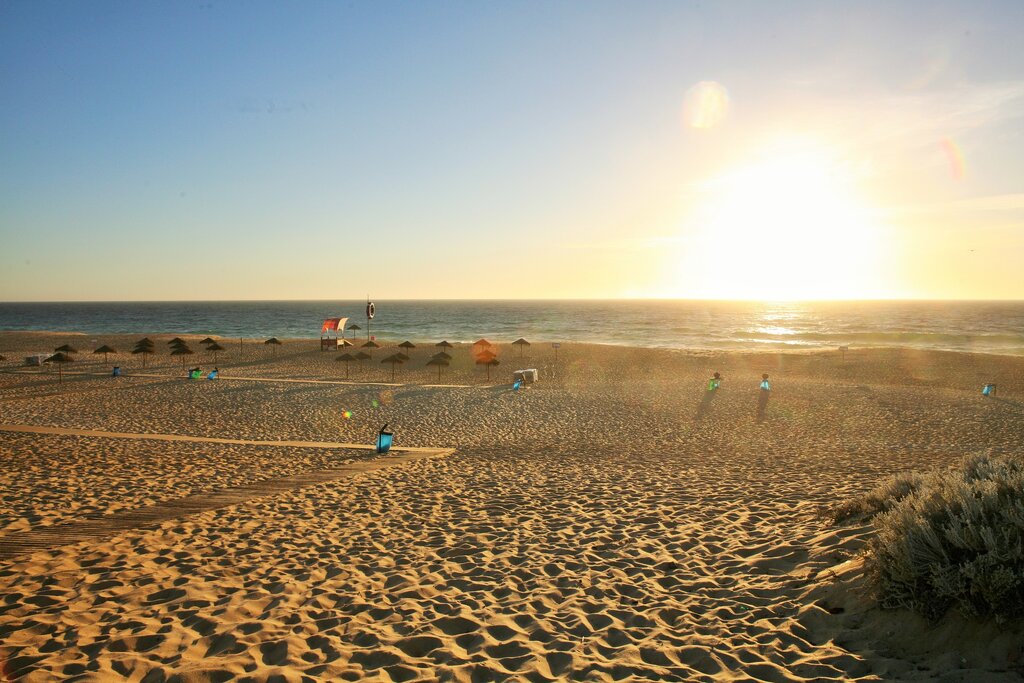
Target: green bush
point(951, 538)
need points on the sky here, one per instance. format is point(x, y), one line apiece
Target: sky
point(331, 150)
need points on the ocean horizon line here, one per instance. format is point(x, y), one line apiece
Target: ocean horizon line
point(513, 300)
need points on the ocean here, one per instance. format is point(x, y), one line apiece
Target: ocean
point(988, 327)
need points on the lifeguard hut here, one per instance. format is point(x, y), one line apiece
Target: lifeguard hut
point(336, 325)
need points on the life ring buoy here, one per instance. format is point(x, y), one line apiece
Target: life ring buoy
point(370, 310)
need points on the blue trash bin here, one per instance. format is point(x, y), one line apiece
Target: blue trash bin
point(117, 371)
point(988, 390)
point(384, 439)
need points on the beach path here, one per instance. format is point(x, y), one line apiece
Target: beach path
point(104, 526)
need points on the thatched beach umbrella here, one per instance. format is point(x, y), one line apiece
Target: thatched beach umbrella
point(520, 343)
point(353, 327)
point(444, 345)
point(363, 355)
point(182, 351)
point(394, 360)
point(371, 345)
point(105, 350)
point(176, 341)
point(215, 348)
point(273, 343)
point(208, 340)
point(346, 358)
point(60, 358)
point(439, 362)
point(67, 348)
point(442, 355)
point(407, 345)
point(401, 356)
point(145, 347)
point(482, 349)
point(489, 361)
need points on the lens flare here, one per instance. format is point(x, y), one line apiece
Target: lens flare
point(954, 156)
point(375, 403)
point(347, 414)
point(705, 105)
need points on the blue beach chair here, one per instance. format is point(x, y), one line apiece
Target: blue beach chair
point(213, 374)
point(988, 390)
point(384, 439)
point(518, 383)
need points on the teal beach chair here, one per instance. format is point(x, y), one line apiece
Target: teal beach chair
point(384, 439)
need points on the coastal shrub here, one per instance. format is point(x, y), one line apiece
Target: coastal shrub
point(881, 499)
point(955, 538)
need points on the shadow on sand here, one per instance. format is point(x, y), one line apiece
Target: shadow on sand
point(762, 405)
point(705, 406)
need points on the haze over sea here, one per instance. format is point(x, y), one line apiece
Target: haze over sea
point(987, 327)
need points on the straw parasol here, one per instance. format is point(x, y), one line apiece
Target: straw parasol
point(145, 347)
point(442, 355)
point(347, 358)
point(444, 345)
point(363, 355)
point(407, 345)
point(215, 348)
point(481, 349)
point(176, 341)
point(520, 343)
point(60, 358)
point(439, 362)
point(274, 343)
point(402, 356)
point(105, 350)
point(394, 360)
point(182, 351)
point(371, 345)
point(489, 361)
point(67, 348)
point(208, 340)
point(354, 327)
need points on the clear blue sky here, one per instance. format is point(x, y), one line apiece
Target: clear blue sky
point(221, 150)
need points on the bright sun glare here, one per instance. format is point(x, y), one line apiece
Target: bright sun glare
point(790, 227)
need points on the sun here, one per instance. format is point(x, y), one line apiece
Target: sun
point(787, 227)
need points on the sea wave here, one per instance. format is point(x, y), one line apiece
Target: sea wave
point(991, 327)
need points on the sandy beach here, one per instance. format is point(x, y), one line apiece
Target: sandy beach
point(610, 522)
